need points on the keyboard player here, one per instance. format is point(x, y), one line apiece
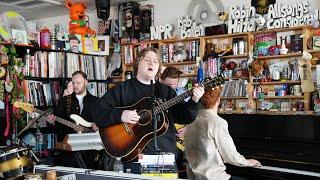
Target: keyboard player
point(209, 144)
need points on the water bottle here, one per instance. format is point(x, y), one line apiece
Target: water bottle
point(200, 73)
point(118, 166)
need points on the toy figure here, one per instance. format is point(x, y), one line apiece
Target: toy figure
point(78, 23)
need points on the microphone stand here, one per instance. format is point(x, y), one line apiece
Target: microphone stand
point(154, 117)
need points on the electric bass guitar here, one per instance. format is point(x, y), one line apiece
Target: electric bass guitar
point(80, 125)
point(180, 140)
point(128, 140)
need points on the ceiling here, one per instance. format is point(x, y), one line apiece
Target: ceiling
point(36, 9)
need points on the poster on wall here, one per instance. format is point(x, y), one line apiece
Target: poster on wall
point(104, 27)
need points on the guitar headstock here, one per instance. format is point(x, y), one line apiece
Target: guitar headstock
point(25, 106)
point(214, 82)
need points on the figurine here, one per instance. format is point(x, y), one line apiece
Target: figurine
point(78, 23)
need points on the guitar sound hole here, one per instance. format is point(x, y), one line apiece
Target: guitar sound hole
point(145, 117)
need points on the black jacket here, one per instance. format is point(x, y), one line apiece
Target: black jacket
point(62, 111)
point(130, 92)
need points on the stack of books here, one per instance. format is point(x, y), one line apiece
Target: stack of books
point(162, 165)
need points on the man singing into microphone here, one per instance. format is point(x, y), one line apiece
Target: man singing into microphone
point(146, 69)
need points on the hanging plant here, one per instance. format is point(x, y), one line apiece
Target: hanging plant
point(14, 77)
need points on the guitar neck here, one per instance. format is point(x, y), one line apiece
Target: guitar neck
point(72, 125)
point(173, 101)
point(166, 105)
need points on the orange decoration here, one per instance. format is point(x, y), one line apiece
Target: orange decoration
point(78, 23)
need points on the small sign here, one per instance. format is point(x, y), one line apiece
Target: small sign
point(189, 28)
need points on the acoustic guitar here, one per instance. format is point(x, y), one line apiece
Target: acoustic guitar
point(128, 140)
point(80, 125)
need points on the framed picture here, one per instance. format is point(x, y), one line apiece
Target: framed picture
point(90, 45)
point(285, 106)
point(19, 37)
point(103, 45)
point(34, 38)
point(74, 43)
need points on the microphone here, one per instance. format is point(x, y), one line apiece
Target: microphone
point(154, 116)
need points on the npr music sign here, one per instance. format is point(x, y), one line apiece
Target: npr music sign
point(161, 32)
point(279, 16)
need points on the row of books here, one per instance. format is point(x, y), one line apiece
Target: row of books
point(61, 65)
point(94, 66)
point(97, 89)
point(162, 165)
point(180, 52)
point(41, 93)
point(234, 88)
point(212, 67)
point(44, 65)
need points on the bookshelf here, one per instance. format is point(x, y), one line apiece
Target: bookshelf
point(224, 54)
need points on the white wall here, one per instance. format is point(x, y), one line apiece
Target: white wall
point(165, 11)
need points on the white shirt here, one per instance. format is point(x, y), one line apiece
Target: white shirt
point(80, 99)
point(209, 145)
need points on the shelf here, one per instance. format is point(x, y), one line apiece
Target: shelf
point(312, 51)
point(141, 42)
point(114, 77)
point(97, 80)
point(282, 97)
point(27, 46)
point(234, 97)
point(285, 112)
point(277, 82)
point(281, 30)
point(179, 63)
point(226, 35)
point(236, 78)
point(289, 55)
point(234, 56)
point(168, 41)
point(42, 78)
point(188, 75)
point(267, 112)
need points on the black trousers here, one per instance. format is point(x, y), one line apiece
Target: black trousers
point(77, 159)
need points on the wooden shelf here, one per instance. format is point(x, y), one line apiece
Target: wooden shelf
point(285, 112)
point(236, 78)
point(114, 77)
point(168, 41)
point(267, 112)
point(282, 97)
point(226, 36)
point(312, 51)
point(234, 56)
point(280, 56)
point(97, 80)
point(281, 29)
point(141, 42)
point(188, 75)
point(179, 63)
point(234, 97)
point(277, 82)
point(43, 78)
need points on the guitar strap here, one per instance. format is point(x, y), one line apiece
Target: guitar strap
point(69, 98)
